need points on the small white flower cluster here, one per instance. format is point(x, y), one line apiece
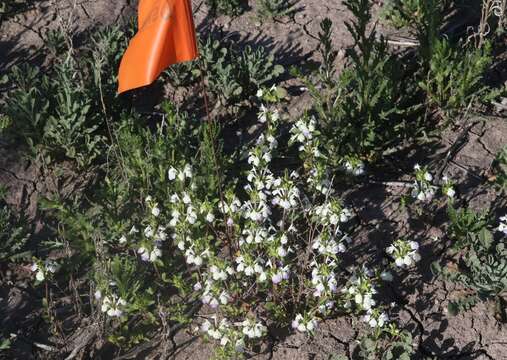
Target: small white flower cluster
point(264, 114)
point(502, 226)
point(44, 269)
point(253, 329)
point(323, 279)
point(285, 193)
point(423, 189)
point(112, 305)
point(226, 334)
point(181, 175)
point(303, 131)
point(360, 290)
point(405, 253)
point(375, 318)
point(154, 234)
point(304, 323)
point(448, 187)
point(332, 213)
point(214, 293)
point(354, 166)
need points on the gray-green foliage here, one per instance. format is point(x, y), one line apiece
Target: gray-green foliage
point(392, 344)
point(61, 113)
point(365, 110)
point(456, 75)
point(14, 234)
point(273, 9)
point(226, 7)
point(501, 168)
point(480, 263)
point(139, 167)
point(232, 75)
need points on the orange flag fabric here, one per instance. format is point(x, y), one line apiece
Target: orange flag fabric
point(166, 36)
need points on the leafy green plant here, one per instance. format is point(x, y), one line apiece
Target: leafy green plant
point(365, 111)
point(226, 7)
point(231, 75)
point(388, 344)
point(456, 76)
point(479, 263)
point(14, 234)
point(500, 168)
point(273, 9)
point(62, 114)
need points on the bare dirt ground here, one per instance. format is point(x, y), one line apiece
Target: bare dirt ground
point(419, 299)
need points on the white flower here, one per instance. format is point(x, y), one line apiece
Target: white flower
point(210, 217)
point(259, 93)
point(123, 239)
point(302, 325)
point(386, 276)
point(39, 276)
point(502, 226)
point(148, 231)
point(277, 278)
point(98, 295)
point(113, 306)
point(171, 173)
point(188, 171)
point(186, 198)
point(155, 254)
point(155, 211)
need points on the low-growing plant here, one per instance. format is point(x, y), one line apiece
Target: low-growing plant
point(226, 7)
point(456, 76)
point(387, 343)
point(14, 234)
point(61, 114)
point(231, 75)
point(500, 168)
point(274, 9)
point(479, 261)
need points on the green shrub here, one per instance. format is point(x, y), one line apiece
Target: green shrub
point(62, 113)
point(365, 111)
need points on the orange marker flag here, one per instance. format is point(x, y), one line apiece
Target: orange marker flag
point(166, 36)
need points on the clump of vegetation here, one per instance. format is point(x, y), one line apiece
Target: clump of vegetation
point(226, 7)
point(273, 9)
point(231, 75)
point(364, 111)
point(14, 234)
point(480, 260)
point(456, 76)
point(62, 115)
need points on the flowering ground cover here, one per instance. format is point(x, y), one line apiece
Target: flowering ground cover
point(326, 181)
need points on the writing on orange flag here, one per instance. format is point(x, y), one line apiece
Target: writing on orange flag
point(166, 36)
